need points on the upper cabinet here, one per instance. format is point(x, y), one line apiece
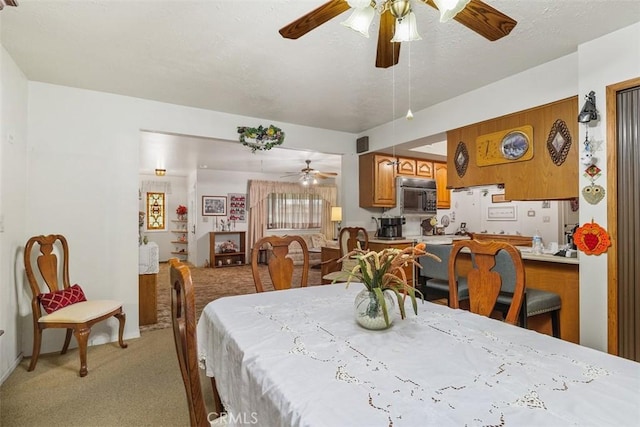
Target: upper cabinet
point(415, 167)
point(377, 181)
point(443, 194)
point(424, 169)
point(406, 166)
point(549, 172)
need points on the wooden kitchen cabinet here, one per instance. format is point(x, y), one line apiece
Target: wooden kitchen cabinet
point(424, 168)
point(377, 181)
point(443, 193)
point(407, 167)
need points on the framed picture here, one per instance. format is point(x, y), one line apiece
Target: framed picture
point(214, 205)
point(237, 207)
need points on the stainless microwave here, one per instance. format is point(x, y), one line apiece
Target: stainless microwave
point(416, 196)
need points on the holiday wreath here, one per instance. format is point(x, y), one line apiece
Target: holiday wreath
point(261, 138)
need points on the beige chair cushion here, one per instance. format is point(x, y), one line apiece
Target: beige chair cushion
point(81, 311)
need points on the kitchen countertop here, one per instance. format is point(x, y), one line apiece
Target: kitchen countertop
point(449, 238)
point(406, 241)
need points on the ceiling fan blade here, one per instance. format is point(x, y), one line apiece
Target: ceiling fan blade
point(478, 16)
point(388, 51)
point(313, 19)
point(326, 174)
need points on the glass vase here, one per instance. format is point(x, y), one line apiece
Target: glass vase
point(368, 311)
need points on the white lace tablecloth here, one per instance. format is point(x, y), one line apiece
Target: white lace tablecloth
point(148, 258)
point(297, 358)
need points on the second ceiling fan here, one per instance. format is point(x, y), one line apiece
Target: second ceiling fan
point(474, 14)
point(308, 175)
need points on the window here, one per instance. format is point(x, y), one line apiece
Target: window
point(294, 211)
point(155, 211)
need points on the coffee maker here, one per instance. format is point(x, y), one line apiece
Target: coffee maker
point(390, 228)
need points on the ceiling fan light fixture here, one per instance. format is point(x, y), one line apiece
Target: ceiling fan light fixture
point(450, 8)
point(399, 8)
point(360, 20)
point(406, 29)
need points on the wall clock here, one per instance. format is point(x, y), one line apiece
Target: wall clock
point(511, 145)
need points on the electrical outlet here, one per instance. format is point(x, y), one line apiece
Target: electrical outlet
point(546, 219)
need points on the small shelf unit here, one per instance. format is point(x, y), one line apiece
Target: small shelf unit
point(227, 259)
point(182, 237)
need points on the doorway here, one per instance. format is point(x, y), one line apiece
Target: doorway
point(623, 212)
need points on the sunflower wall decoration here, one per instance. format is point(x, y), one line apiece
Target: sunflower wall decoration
point(592, 239)
point(261, 138)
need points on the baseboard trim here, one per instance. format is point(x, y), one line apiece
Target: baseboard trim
point(11, 368)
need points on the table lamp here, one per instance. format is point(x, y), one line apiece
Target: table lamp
point(336, 215)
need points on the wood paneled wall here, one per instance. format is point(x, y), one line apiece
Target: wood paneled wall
point(535, 179)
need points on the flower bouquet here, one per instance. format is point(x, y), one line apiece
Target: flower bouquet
point(383, 275)
point(228, 247)
point(181, 211)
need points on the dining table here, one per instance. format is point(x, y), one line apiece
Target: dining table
point(297, 357)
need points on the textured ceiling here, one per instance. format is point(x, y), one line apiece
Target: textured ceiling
point(228, 55)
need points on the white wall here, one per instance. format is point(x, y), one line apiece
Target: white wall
point(608, 60)
point(13, 181)
point(83, 161)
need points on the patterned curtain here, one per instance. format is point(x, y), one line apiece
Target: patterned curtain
point(258, 192)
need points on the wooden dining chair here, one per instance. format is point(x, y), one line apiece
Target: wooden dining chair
point(65, 305)
point(183, 318)
point(279, 265)
point(349, 238)
point(535, 301)
point(434, 275)
point(485, 285)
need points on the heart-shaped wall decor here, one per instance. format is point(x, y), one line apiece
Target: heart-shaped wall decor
point(593, 193)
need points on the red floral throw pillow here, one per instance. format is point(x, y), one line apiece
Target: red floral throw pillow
point(56, 300)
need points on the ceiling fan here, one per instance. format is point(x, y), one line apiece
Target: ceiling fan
point(473, 14)
point(309, 175)
point(4, 3)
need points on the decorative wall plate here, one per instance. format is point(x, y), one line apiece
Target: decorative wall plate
point(559, 142)
point(514, 145)
point(461, 159)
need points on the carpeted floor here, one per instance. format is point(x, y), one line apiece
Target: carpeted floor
point(137, 386)
point(213, 283)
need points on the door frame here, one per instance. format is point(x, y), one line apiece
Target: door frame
point(612, 210)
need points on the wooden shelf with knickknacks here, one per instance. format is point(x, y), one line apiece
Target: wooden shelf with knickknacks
point(181, 232)
point(227, 249)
